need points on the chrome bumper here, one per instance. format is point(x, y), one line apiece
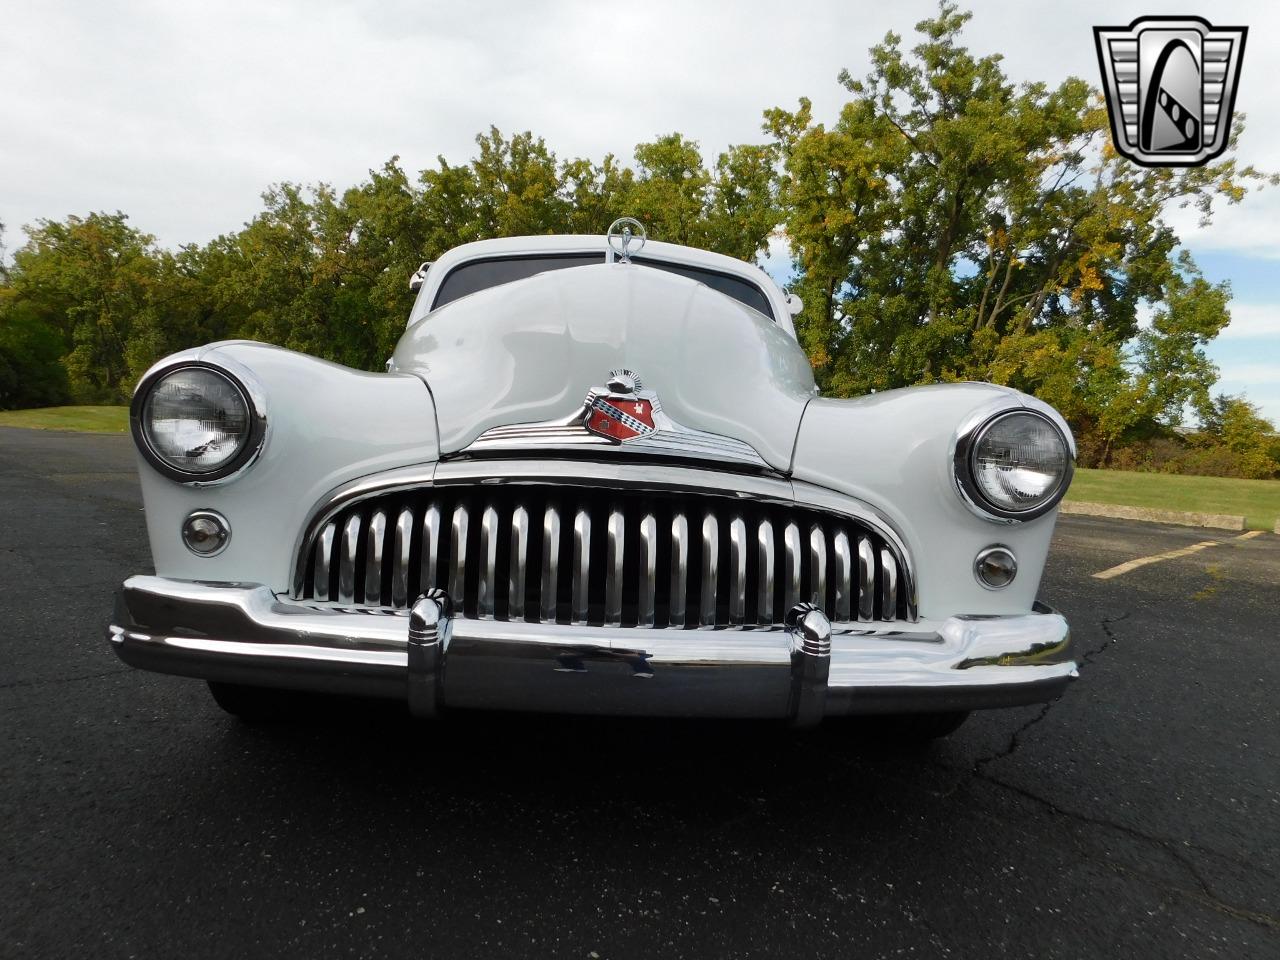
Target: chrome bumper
point(242, 633)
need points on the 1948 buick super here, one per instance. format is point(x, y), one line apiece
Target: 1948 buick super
point(594, 479)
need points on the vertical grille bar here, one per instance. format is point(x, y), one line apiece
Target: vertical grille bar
point(613, 570)
point(376, 541)
point(737, 570)
point(818, 566)
point(866, 580)
point(324, 556)
point(400, 558)
point(458, 551)
point(581, 564)
point(550, 562)
point(679, 567)
point(766, 558)
point(519, 553)
point(648, 570)
point(347, 563)
point(710, 569)
point(888, 585)
point(843, 574)
point(486, 595)
point(430, 546)
point(791, 566)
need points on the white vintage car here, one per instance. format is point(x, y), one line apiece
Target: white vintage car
point(596, 478)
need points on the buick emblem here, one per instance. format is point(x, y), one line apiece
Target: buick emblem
point(1171, 88)
point(620, 411)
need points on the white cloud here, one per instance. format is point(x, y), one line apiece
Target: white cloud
point(1253, 321)
point(1250, 373)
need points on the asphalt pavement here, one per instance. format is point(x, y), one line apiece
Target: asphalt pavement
point(1137, 816)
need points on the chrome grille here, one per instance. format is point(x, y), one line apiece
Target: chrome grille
point(569, 554)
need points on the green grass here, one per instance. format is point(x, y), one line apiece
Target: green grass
point(1257, 500)
point(83, 419)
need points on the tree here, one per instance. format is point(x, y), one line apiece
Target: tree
point(90, 280)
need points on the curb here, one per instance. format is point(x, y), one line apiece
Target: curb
point(1217, 521)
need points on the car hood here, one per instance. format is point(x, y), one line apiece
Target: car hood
point(528, 352)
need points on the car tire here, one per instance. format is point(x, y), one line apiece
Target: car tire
point(254, 704)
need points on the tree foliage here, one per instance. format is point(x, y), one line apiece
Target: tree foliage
point(947, 224)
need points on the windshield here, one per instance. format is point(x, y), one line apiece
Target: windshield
point(476, 275)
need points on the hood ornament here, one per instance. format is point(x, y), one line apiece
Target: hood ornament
point(624, 415)
point(626, 236)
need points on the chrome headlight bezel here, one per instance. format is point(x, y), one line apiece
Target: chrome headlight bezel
point(965, 445)
point(240, 379)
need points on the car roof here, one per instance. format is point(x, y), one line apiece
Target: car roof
point(597, 243)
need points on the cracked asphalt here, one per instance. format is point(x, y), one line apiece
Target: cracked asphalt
point(1137, 816)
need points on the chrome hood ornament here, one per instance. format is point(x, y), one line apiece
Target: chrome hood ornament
point(620, 414)
point(626, 236)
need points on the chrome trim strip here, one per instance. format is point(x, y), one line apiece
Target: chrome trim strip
point(655, 477)
point(888, 586)
point(400, 558)
point(581, 565)
point(765, 556)
point(843, 575)
point(679, 568)
point(648, 570)
point(549, 591)
point(791, 566)
point(737, 571)
point(430, 547)
point(516, 597)
point(324, 556)
point(347, 564)
point(458, 530)
point(486, 595)
point(818, 566)
point(866, 580)
point(375, 541)
point(710, 570)
point(613, 569)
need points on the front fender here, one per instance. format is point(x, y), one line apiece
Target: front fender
point(326, 424)
point(894, 450)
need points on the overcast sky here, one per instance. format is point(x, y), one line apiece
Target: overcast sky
point(180, 114)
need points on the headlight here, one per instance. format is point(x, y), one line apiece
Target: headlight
point(1013, 466)
point(196, 422)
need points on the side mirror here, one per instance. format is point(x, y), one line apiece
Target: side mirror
point(794, 304)
point(419, 276)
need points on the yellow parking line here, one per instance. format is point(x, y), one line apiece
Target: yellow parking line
point(1129, 565)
